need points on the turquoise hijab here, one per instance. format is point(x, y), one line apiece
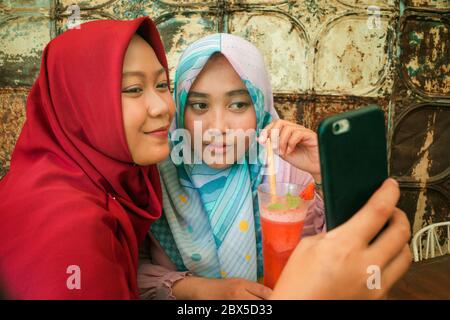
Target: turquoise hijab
point(210, 224)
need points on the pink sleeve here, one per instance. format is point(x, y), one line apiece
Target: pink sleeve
point(315, 218)
point(156, 273)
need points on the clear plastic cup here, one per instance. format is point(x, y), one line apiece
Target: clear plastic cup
point(282, 220)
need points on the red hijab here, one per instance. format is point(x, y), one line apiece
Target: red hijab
point(73, 196)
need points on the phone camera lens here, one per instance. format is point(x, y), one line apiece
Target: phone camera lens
point(336, 127)
point(340, 127)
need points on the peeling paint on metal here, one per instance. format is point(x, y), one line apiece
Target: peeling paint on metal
point(426, 55)
point(12, 116)
point(438, 4)
point(351, 58)
point(180, 31)
point(420, 172)
point(411, 132)
point(313, 108)
point(22, 41)
point(284, 47)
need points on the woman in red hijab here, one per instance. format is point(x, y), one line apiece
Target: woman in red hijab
point(83, 187)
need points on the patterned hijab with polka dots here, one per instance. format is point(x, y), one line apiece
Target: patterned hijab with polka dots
point(210, 224)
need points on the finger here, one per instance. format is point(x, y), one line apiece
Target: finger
point(274, 136)
point(264, 133)
point(396, 269)
point(249, 296)
point(285, 135)
point(259, 290)
point(371, 218)
point(295, 139)
point(392, 240)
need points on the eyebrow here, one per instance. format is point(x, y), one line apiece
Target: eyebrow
point(194, 94)
point(238, 92)
point(142, 74)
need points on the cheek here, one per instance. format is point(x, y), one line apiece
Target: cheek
point(243, 121)
point(144, 150)
point(189, 120)
point(171, 104)
point(134, 115)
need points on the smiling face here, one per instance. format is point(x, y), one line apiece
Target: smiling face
point(220, 101)
point(147, 105)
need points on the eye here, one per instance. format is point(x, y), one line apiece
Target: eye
point(162, 85)
point(198, 106)
point(239, 106)
point(134, 90)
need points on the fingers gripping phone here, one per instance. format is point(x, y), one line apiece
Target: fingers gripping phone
point(353, 161)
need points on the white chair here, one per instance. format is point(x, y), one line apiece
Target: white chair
point(432, 241)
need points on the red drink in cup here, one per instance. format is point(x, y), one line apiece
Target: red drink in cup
point(282, 219)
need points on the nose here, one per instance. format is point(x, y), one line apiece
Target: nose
point(157, 105)
point(219, 121)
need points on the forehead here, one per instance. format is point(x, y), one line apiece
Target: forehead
point(140, 53)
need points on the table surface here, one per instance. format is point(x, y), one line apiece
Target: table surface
point(427, 279)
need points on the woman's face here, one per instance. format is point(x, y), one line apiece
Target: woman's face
point(219, 100)
point(147, 104)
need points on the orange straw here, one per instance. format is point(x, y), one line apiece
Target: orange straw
point(271, 167)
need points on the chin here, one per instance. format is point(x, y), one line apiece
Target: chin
point(218, 166)
point(218, 163)
point(155, 156)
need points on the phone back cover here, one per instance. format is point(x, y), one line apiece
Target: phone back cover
point(353, 164)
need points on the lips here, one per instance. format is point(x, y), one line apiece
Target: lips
point(160, 132)
point(218, 148)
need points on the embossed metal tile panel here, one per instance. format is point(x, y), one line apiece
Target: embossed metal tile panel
point(284, 45)
point(12, 116)
point(24, 32)
point(421, 143)
point(179, 22)
point(420, 146)
point(326, 47)
point(436, 4)
point(425, 43)
point(425, 206)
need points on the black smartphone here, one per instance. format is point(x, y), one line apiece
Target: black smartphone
point(353, 161)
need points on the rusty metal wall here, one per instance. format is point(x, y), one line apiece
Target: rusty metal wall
point(324, 57)
point(420, 149)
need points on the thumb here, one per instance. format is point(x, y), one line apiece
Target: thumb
point(259, 290)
